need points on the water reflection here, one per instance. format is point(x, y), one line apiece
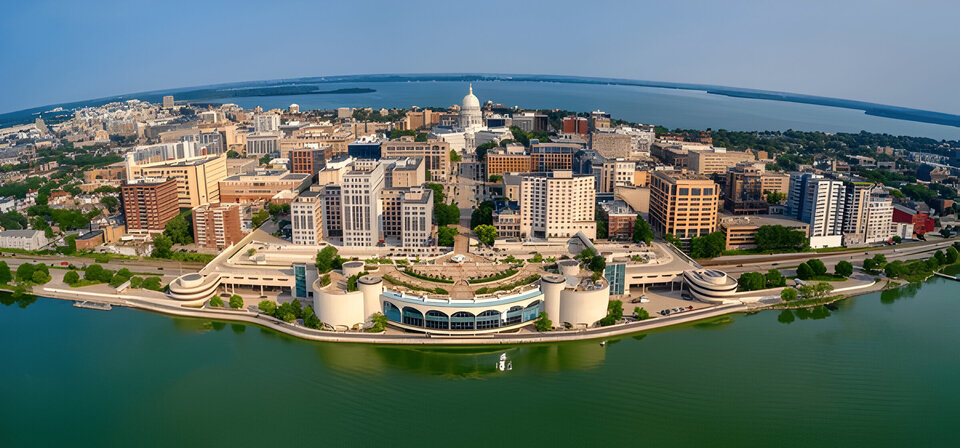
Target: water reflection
point(22, 300)
point(464, 362)
point(909, 290)
point(813, 313)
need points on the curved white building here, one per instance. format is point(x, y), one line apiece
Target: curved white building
point(577, 302)
point(710, 286)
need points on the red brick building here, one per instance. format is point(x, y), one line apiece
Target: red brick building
point(307, 160)
point(575, 125)
point(922, 223)
point(149, 204)
point(217, 226)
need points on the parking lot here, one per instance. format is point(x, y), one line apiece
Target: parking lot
point(659, 299)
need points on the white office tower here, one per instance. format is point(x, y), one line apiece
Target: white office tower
point(360, 201)
point(266, 123)
point(820, 203)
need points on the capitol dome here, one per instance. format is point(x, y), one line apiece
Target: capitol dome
point(470, 101)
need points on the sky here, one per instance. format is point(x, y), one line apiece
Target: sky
point(889, 52)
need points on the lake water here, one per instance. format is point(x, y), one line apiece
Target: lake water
point(668, 107)
point(879, 370)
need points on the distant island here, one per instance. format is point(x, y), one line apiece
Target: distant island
point(211, 94)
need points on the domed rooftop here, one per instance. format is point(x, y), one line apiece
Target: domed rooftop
point(470, 101)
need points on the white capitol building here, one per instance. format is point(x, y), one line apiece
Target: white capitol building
point(471, 131)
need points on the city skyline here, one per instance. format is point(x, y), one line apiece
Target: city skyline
point(842, 51)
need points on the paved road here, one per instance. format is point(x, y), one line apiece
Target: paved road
point(762, 263)
point(146, 266)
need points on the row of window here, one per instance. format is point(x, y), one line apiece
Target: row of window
point(462, 320)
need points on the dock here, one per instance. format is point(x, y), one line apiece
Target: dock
point(940, 274)
point(93, 305)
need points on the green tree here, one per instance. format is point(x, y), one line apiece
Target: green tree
point(483, 214)
point(598, 264)
point(494, 178)
point(178, 230)
point(708, 246)
point(161, 247)
point(231, 154)
point(236, 301)
point(641, 313)
point(71, 241)
point(259, 217)
point(775, 279)
point(446, 214)
point(136, 282)
point(778, 238)
point(216, 301)
point(12, 220)
point(5, 275)
point(804, 271)
point(379, 322)
point(940, 257)
point(445, 236)
point(267, 307)
point(25, 272)
point(897, 239)
point(328, 260)
point(111, 202)
point(438, 196)
point(752, 281)
point(40, 277)
point(151, 283)
point(642, 231)
point(673, 240)
point(487, 234)
point(71, 277)
point(775, 197)
point(543, 323)
point(870, 265)
point(817, 266)
point(454, 157)
point(952, 255)
point(788, 294)
point(844, 268)
point(310, 319)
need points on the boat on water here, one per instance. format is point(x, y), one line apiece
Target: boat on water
point(504, 364)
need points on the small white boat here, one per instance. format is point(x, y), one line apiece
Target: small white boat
point(603, 343)
point(502, 365)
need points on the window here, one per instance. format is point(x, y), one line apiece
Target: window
point(462, 320)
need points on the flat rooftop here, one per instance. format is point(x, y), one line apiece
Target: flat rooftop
point(759, 220)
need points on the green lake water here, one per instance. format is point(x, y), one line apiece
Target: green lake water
point(877, 370)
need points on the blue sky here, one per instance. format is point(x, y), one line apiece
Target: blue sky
point(900, 53)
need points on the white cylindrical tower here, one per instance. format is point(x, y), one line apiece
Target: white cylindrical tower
point(371, 286)
point(552, 285)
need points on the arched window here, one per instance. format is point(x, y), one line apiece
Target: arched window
point(391, 311)
point(488, 319)
point(412, 317)
point(438, 320)
point(462, 320)
point(514, 315)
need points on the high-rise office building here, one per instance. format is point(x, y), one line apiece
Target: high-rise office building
point(435, 153)
point(307, 160)
point(417, 217)
point(306, 218)
point(868, 215)
point(683, 205)
point(266, 123)
point(197, 178)
point(557, 205)
point(552, 156)
point(360, 200)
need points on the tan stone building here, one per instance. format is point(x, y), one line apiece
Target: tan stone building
point(197, 177)
point(616, 173)
point(261, 185)
point(502, 162)
point(716, 160)
point(612, 145)
point(435, 153)
point(741, 230)
point(682, 204)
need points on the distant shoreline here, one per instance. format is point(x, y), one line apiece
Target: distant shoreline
point(309, 85)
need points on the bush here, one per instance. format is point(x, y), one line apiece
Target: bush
point(136, 282)
point(788, 294)
point(804, 271)
point(775, 279)
point(752, 281)
point(267, 307)
point(152, 283)
point(236, 301)
point(817, 266)
point(71, 277)
point(216, 302)
point(844, 268)
point(543, 323)
point(641, 313)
